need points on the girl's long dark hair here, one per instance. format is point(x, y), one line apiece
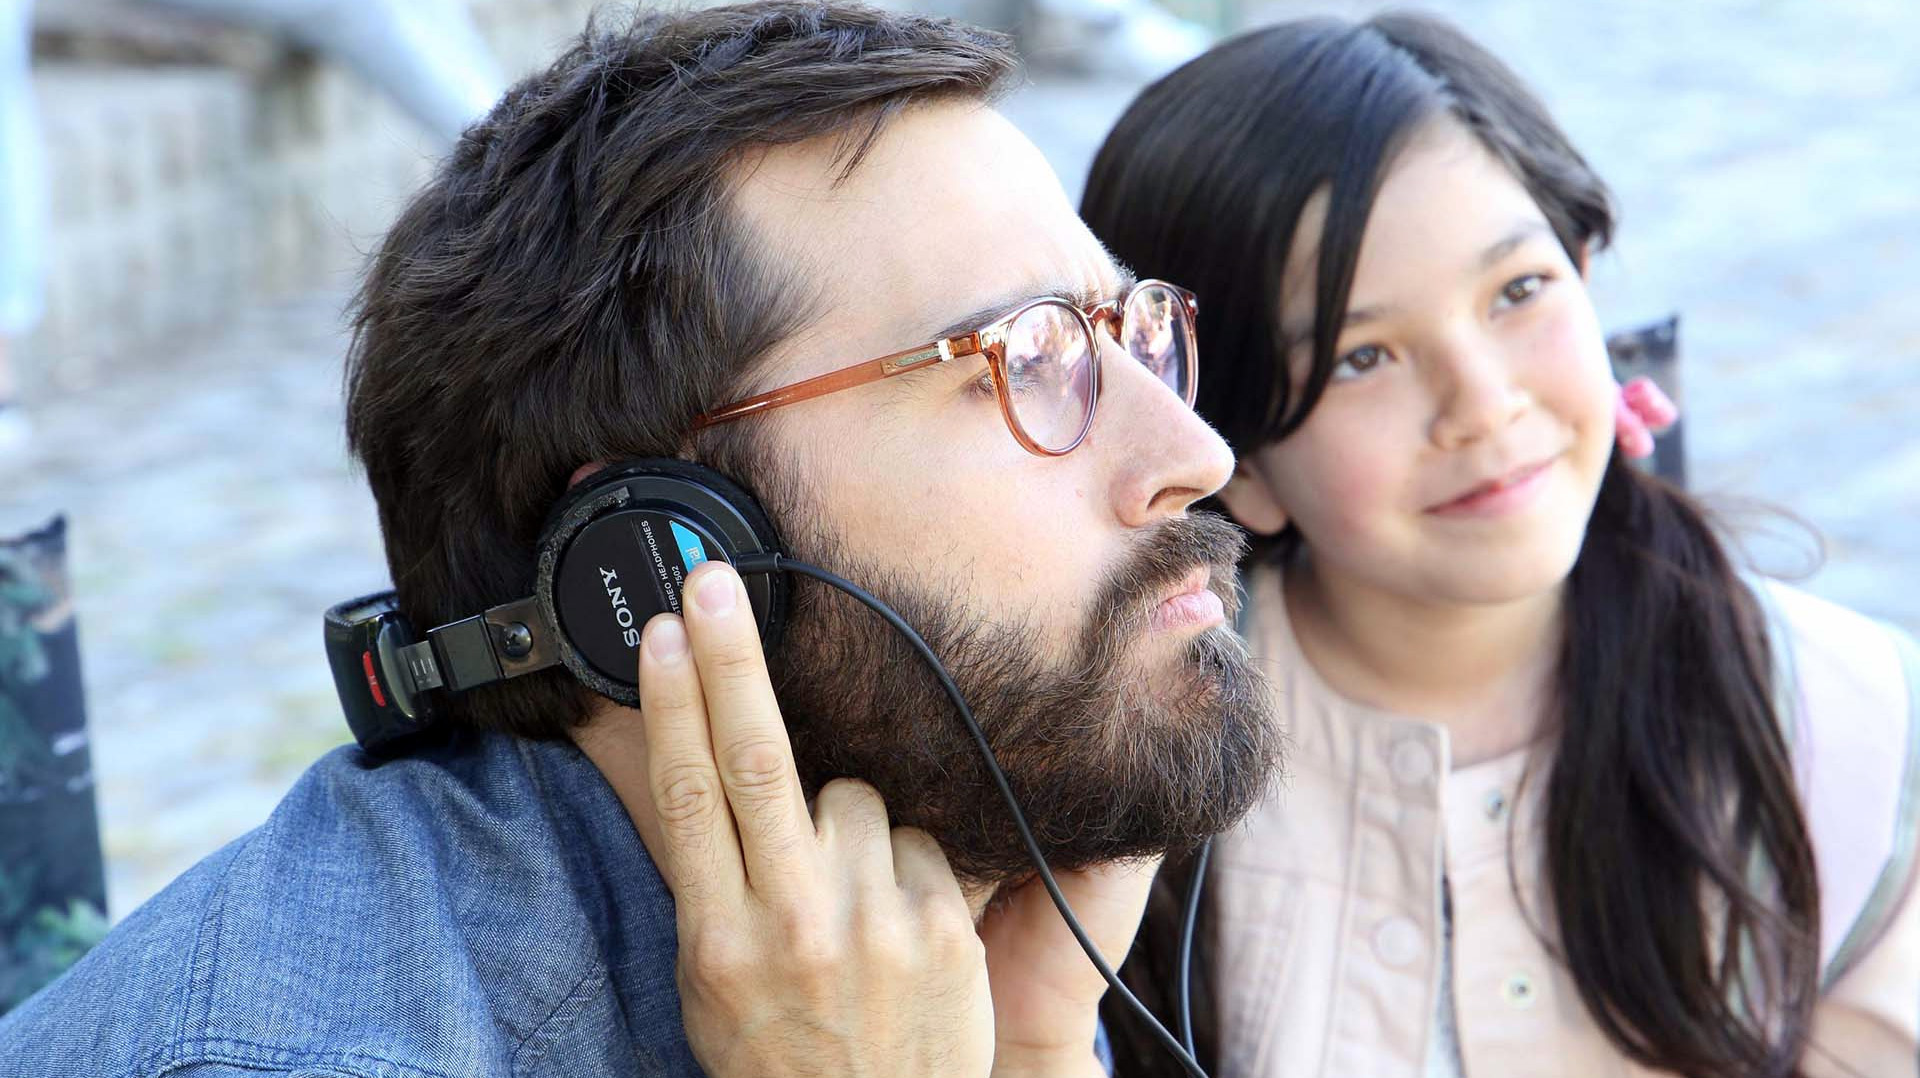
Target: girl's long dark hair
point(1679, 876)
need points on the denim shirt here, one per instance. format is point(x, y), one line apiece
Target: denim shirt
point(481, 908)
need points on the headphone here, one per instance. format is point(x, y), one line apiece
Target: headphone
point(615, 552)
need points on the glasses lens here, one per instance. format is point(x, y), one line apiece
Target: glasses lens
point(1050, 374)
point(1156, 330)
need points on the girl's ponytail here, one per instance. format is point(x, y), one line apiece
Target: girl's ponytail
point(1678, 864)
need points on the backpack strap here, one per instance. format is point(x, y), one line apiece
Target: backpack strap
point(1884, 900)
point(1847, 692)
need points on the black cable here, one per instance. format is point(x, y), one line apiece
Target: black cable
point(773, 563)
point(1190, 918)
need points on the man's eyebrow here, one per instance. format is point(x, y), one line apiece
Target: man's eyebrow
point(1077, 292)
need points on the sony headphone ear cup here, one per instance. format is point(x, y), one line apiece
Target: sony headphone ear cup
point(730, 492)
point(615, 475)
point(699, 474)
point(657, 496)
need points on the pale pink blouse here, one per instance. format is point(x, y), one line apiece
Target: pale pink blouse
point(1329, 897)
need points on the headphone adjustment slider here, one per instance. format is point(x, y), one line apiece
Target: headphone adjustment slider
point(422, 670)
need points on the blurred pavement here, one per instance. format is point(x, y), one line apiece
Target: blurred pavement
point(1767, 163)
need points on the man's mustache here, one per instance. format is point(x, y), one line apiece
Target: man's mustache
point(1160, 560)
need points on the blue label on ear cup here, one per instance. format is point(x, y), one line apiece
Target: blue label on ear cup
point(693, 553)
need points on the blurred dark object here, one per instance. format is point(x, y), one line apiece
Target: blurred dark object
point(53, 896)
point(1654, 351)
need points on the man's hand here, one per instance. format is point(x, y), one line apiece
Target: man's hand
point(1046, 995)
point(809, 945)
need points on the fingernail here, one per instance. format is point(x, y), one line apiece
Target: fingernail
point(667, 640)
point(718, 593)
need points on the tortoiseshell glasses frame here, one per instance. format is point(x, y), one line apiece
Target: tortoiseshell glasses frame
point(1176, 364)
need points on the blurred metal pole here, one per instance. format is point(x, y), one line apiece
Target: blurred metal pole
point(427, 55)
point(23, 180)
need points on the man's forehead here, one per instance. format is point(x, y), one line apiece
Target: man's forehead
point(951, 212)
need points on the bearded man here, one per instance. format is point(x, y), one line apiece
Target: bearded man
point(690, 238)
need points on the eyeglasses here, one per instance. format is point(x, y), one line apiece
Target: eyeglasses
point(1044, 361)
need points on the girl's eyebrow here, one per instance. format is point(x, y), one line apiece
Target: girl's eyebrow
point(1520, 234)
point(1295, 334)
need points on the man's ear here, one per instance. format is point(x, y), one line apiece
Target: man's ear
point(581, 473)
point(1249, 499)
point(1582, 260)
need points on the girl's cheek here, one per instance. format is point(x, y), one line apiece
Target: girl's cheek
point(1343, 482)
point(1568, 359)
point(1585, 408)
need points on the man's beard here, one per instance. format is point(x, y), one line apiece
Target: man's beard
point(1109, 759)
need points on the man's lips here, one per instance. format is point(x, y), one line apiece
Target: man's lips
point(1191, 604)
point(1498, 493)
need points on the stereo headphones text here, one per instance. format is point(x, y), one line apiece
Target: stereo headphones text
point(615, 552)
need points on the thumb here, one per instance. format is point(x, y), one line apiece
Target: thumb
point(1108, 900)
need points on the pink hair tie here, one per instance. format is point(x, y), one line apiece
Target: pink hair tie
point(1641, 411)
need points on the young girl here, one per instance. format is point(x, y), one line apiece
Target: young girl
point(1570, 793)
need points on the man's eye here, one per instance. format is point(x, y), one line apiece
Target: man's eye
point(1521, 289)
point(1358, 363)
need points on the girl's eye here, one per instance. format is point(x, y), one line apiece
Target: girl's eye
point(1521, 289)
point(1358, 363)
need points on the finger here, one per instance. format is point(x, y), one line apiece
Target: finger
point(920, 868)
point(850, 820)
point(1109, 900)
point(701, 849)
point(1024, 931)
point(938, 907)
point(750, 742)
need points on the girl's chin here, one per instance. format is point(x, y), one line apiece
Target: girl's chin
point(1464, 583)
point(1512, 577)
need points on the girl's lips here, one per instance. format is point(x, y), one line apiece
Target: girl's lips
point(1499, 496)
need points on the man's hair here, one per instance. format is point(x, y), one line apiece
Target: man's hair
point(574, 284)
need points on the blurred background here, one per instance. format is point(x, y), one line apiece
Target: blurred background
point(215, 181)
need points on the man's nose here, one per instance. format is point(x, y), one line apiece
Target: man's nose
point(1162, 456)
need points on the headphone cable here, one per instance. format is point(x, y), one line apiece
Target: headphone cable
point(1187, 921)
point(773, 563)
